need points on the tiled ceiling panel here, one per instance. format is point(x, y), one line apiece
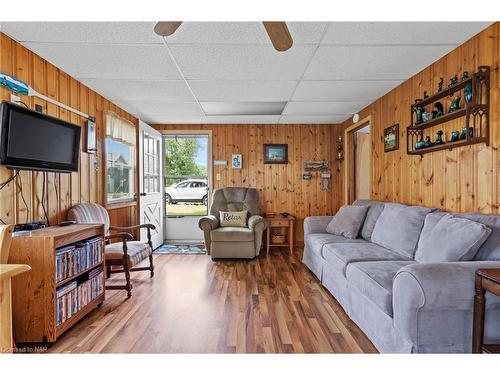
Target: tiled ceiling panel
point(343, 90)
point(240, 62)
point(332, 70)
point(113, 61)
point(244, 91)
point(373, 62)
point(401, 33)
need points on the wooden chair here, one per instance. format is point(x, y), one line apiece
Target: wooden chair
point(125, 253)
point(7, 271)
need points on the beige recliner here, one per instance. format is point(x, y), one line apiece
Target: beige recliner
point(233, 242)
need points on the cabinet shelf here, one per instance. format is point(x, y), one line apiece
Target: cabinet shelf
point(448, 145)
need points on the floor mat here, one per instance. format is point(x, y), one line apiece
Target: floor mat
point(181, 249)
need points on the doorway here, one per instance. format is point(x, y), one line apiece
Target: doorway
point(358, 164)
point(186, 183)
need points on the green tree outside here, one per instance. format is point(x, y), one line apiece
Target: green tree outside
point(180, 157)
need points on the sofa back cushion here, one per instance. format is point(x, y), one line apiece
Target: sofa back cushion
point(374, 210)
point(452, 239)
point(398, 228)
point(490, 250)
point(348, 221)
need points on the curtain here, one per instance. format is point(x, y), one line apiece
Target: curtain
point(119, 129)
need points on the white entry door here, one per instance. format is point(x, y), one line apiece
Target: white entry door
point(151, 182)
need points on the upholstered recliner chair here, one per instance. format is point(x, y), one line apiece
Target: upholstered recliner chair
point(233, 242)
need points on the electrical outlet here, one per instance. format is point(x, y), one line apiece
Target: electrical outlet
point(217, 176)
point(38, 108)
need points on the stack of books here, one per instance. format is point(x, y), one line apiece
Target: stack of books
point(73, 259)
point(75, 295)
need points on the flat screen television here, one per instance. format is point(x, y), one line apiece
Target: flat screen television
point(35, 141)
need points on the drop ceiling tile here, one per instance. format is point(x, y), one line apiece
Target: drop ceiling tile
point(243, 33)
point(166, 119)
point(243, 108)
point(108, 61)
point(125, 89)
point(239, 62)
point(158, 107)
point(374, 62)
point(266, 91)
point(343, 90)
point(336, 119)
point(83, 32)
point(416, 33)
point(242, 119)
point(323, 108)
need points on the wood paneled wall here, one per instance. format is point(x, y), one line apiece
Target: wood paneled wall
point(61, 190)
point(281, 186)
point(461, 179)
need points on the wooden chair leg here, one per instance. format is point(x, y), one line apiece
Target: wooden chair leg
point(151, 265)
point(128, 287)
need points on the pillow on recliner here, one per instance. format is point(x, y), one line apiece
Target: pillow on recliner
point(233, 219)
point(348, 221)
point(452, 239)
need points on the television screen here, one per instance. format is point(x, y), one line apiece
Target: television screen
point(32, 140)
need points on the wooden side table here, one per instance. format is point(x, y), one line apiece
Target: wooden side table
point(487, 280)
point(285, 226)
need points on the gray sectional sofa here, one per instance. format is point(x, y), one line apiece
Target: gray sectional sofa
point(403, 305)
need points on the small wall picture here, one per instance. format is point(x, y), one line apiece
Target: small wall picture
point(391, 138)
point(237, 161)
point(275, 154)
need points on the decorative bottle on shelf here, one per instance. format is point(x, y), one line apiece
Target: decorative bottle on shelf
point(455, 104)
point(455, 136)
point(468, 92)
point(418, 113)
point(439, 139)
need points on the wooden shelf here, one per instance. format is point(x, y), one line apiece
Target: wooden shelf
point(439, 120)
point(68, 279)
point(68, 323)
point(448, 145)
point(443, 94)
point(35, 293)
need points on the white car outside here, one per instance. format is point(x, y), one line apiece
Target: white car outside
point(187, 191)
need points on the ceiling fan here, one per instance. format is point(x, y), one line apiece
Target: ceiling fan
point(277, 31)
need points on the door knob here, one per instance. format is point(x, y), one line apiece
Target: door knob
point(142, 194)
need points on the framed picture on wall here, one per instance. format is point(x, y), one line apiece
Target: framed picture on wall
point(237, 161)
point(275, 154)
point(391, 138)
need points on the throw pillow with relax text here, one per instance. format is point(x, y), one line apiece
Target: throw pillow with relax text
point(233, 219)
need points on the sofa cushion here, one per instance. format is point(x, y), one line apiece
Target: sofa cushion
point(398, 228)
point(348, 221)
point(232, 234)
point(452, 239)
point(339, 255)
point(233, 218)
point(490, 250)
point(136, 251)
point(316, 241)
point(375, 208)
point(374, 280)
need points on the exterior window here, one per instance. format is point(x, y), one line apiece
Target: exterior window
point(120, 159)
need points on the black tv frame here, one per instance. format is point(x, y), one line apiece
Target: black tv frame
point(30, 164)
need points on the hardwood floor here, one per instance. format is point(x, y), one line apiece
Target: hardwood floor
point(193, 305)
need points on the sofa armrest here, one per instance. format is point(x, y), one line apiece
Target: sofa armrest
point(433, 304)
point(208, 223)
point(255, 220)
point(316, 224)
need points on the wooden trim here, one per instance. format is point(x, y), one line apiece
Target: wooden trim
point(349, 156)
point(127, 203)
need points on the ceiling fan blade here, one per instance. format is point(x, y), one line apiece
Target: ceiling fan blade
point(279, 35)
point(166, 28)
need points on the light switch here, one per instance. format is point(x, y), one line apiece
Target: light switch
point(217, 176)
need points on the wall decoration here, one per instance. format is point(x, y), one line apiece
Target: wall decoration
point(275, 154)
point(91, 136)
point(340, 148)
point(237, 161)
point(312, 166)
point(391, 138)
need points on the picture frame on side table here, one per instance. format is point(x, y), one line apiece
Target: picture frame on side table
point(391, 138)
point(275, 153)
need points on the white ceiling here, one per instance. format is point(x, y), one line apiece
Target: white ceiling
point(332, 71)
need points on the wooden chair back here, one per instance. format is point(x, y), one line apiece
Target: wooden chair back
point(5, 239)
